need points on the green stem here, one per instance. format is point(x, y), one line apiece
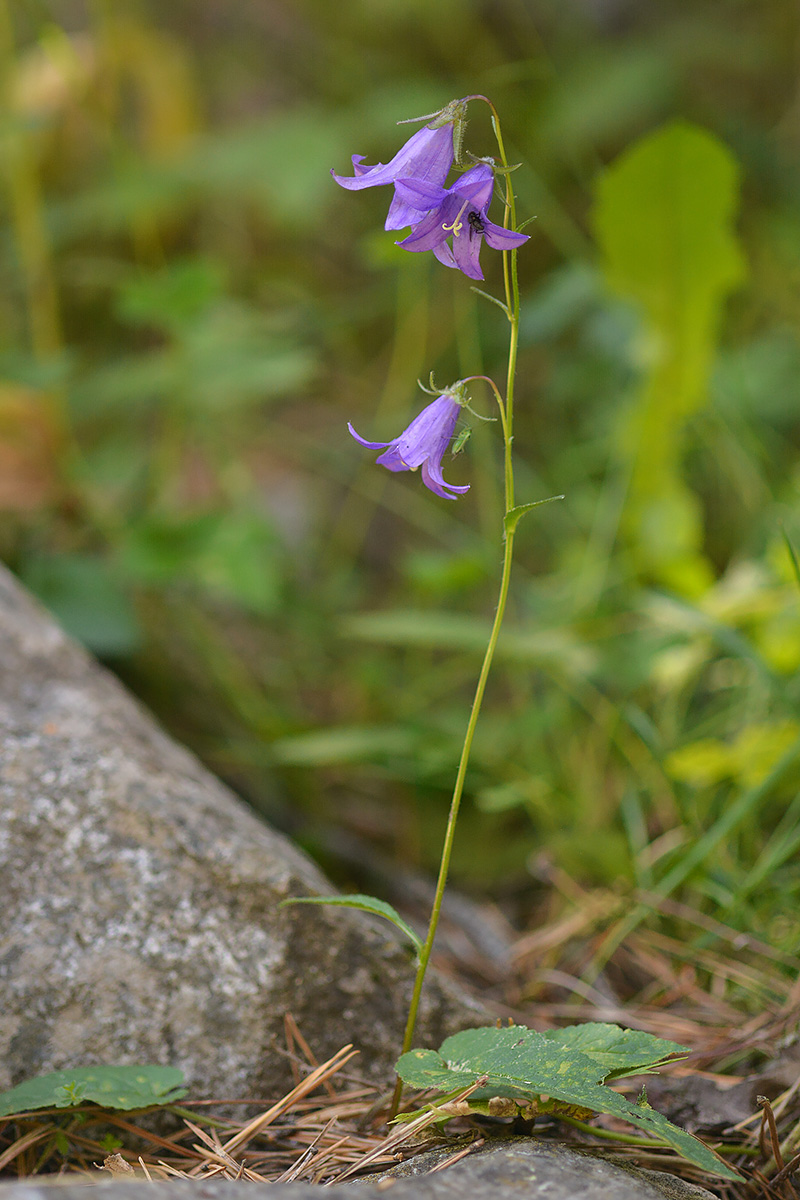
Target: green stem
point(506, 415)
point(427, 947)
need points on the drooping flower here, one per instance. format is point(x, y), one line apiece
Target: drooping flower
point(423, 443)
point(427, 156)
point(459, 211)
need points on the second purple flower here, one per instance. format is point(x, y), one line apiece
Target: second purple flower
point(423, 444)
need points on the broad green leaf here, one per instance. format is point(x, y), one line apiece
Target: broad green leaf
point(535, 1070)
point(664, 222)
point(619, 1051)
point(110, 1087)
point(366, 904)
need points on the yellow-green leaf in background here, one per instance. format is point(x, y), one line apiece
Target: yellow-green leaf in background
point(664, 222)
point(747, 759)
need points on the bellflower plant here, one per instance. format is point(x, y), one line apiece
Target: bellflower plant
point(453, 223)
point(424, 442)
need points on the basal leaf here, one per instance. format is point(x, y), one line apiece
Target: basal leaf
point(370, 904)
point(536, 1069)
point(110, 1087)
point(618, 1051)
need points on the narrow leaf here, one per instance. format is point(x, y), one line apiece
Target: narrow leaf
point(370, 904)
point(494, 300)
point(515, 515)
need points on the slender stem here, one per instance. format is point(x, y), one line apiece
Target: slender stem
point(425, 953)
point(506, 415)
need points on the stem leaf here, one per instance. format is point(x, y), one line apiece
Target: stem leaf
point(370, 904)
point(494, 300)
point(515, 515)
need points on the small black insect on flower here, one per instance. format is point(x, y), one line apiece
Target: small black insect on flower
point(475, 222)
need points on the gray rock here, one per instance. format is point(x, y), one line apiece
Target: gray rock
point(533, 1167)
point(140, 918)
point(508, 1170)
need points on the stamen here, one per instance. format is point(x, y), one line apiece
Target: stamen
point(458, 224)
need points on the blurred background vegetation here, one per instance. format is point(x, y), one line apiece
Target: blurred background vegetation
point(191, 310)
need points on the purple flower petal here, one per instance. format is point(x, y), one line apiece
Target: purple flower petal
point(466, 251)
point(393, 460)
point(362, 176)
point(420, 194)
point(364, 442)
point(401, 214)
point(430, 231)
point(432, 478)
point(427, 156)
point(476, 185)
point(502, 239)
point(445, 255)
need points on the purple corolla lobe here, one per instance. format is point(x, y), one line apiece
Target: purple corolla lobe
point(460, 212)
point(423, 444)
point(427, 156)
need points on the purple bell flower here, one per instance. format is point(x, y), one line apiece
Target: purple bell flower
point(423, 444)
point(459, 211)
point(427, 156)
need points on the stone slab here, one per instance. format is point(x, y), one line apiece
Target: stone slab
point(140, 918)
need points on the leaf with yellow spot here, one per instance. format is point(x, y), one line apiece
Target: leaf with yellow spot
point(568, 1066)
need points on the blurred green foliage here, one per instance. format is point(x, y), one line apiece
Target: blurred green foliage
point(191, 311)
